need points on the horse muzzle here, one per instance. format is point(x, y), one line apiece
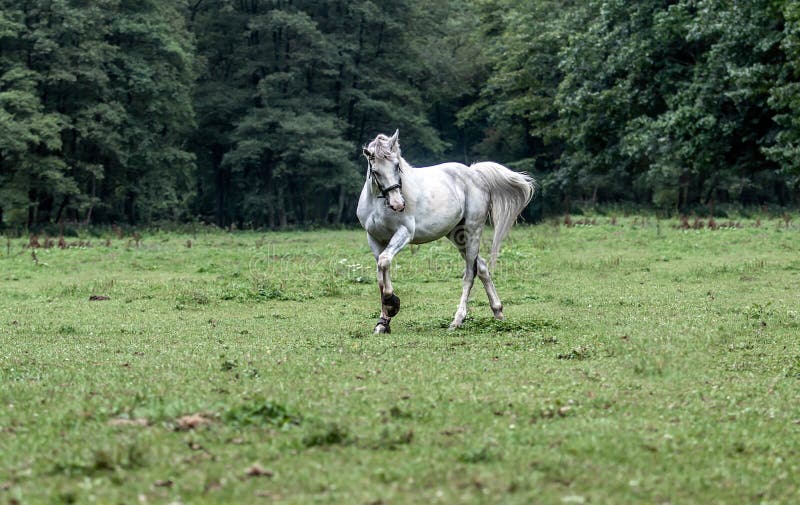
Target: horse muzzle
point(397, 207)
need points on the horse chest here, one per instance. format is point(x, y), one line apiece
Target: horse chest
point(380, 224)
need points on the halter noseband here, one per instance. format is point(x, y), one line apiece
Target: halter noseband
point(385, 191)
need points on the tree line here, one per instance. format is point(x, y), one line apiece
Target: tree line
point(253, 112)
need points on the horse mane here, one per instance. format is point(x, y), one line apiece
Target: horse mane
point(381, 147)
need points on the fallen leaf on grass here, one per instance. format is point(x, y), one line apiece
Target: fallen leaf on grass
point(267, 494)
point(212, 486)
point(259, 471)
point(163, 483)
point(453, 431)
point(122, 421)
point(190, 422)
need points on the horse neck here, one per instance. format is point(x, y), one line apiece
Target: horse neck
point(370, 188)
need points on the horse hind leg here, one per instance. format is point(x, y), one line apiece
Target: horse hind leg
point(469, 251)
point(488, 285)
point(482, 271)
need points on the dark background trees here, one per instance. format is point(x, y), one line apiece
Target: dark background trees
point(95, 107)
point(253, 112)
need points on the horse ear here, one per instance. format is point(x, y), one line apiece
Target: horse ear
point(367, 153)
point(393, 144)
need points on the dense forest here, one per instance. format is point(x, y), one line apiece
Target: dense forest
point(252, 113)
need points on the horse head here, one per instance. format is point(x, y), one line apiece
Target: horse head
point(385, 169)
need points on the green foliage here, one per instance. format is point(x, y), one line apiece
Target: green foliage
point(95, 105)
point(252, 114)
point(291, 90)
point(785, 98)
point(669, 103)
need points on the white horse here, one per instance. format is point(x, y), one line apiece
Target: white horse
point(401, 204)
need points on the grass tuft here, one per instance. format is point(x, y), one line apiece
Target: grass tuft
point(327, 435)
point(262, 413)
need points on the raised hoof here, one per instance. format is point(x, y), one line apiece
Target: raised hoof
point(382, 327)
point(392, 304)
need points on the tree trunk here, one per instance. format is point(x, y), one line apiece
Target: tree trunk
point(60, 210)
point(219, 185)
point(284, 222)
point(337, 219)
point(91, 205)
point(33, 207)
point(356, 64)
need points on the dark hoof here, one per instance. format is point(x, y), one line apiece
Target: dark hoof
point(392, 304)
point(382, 326)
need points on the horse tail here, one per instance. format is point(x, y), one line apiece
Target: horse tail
point(509, 193)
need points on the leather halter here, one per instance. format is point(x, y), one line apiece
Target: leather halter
point(385, 191)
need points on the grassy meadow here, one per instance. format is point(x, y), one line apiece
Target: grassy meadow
point(640, 362)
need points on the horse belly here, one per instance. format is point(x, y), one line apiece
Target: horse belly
point(434, 223)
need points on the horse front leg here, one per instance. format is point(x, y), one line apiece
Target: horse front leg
point(390, 303)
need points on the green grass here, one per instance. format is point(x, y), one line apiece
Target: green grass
point(639, 363)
